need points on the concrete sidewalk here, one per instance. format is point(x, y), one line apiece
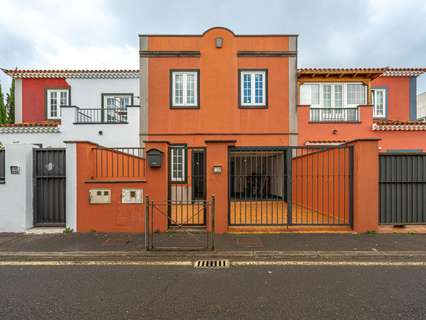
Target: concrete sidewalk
point(86, 246)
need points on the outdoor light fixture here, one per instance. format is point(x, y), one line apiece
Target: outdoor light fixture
point(219, 42)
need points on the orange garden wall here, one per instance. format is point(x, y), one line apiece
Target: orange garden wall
point(116, 216)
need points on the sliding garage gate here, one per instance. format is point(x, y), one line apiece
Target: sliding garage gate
point(290, 186)
point(402, 190)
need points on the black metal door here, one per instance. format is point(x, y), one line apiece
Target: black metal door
point(49, 187)
point(198, 174)
point(402, 183)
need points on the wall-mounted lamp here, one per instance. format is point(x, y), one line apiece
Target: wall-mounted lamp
point(219, 42)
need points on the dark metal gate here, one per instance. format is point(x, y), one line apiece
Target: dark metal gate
point(402, 182)
point(49, 186)
point(2, 166)
point(291, 186)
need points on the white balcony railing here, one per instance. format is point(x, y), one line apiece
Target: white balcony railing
point(334, 114)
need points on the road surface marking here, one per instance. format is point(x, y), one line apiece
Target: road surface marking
point(233, 263)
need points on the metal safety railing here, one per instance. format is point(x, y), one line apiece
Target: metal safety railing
point(125, 162)
point(179, 235)
point(334, 114)
point(101, 115)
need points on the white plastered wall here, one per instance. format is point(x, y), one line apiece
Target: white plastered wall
point(108, 135)
point(16, 195)
point(87, 93)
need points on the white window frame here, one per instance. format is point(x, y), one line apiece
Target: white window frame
point(116, 113)
point(58, 102)
point(374, 101)
point(117, 96)
point(253, 74)
point(305, 94)
point(175, 177)
point(185, 102)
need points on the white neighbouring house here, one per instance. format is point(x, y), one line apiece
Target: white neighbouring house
point(52, 107)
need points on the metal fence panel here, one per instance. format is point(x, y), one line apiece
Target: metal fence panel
point(402, 187)
point(309, 185)
point(2, 166)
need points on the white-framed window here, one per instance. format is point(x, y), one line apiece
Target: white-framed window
point(177, 170)
point(56, 98)
point(333, 95)
point(116, 105)
point(184, 89)
point(378, 97)
point(253, 88)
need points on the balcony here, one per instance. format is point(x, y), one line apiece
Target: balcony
point(334, 115)
point(101, 116)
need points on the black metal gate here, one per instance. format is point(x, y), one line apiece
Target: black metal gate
point(290, 186)
point(187, 186)
point(402, 182)
point(49, 186)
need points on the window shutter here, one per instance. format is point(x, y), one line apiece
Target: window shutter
point(305, 94)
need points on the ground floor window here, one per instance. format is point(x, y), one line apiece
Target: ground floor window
point(178, 156)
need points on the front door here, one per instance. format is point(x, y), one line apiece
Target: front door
point(49, 187)
point(187, 185)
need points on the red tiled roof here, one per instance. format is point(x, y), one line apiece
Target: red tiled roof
point(404, 72)
point(327, 70)
point(68, 73)
point(396, 125)
point(47, 123)
point(385, 71)
point(325, 142)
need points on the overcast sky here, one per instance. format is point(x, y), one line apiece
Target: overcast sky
point(103, 33)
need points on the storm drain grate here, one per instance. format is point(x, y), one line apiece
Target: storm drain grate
point(211, 264)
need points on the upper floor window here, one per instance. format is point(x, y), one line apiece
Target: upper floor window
point(333, 95)
point(115, 105)
point(378, 98)
point(184, 88)
point(56, 98)
point(253, 88)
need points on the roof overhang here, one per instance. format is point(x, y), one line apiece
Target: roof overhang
point(340, 73)
point(71, 74)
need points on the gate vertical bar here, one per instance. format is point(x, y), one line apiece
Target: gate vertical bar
point(289, 186)
point(146, 223)
point(351, 184)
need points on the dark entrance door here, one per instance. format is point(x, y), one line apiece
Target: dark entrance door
point(49, 187)
point(198, 174)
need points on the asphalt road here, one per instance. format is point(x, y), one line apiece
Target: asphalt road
point(126, 292)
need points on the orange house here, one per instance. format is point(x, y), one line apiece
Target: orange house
point(221, 110)
point(340, 104)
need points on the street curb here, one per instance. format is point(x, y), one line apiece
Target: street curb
point(233, 255)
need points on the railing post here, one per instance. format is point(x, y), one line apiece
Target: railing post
point(146, 223)
point(213, 213)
